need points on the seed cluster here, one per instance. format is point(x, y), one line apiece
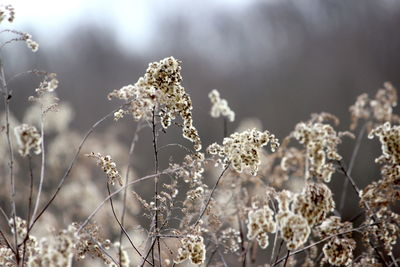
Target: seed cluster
point(28, 138)
point(220, 106)
point(242, 150)
point(161, 88)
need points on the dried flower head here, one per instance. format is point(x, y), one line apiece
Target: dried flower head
point(220, 106)
point(230, 239)
point(28, 138)
point(260, 223)
point(293, 227)
point(380, 109)
point(7, 12)
point(321, 142)
point(108, 166)
point(34, 46)
point(161, 88)
point(386, 231)
point(314, 203)
point(242, 150)
point(390, 140)
point(49, 84)
point(339, 249)
point(192, 248)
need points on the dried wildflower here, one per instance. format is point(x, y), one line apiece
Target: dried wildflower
point(34, 46)
point(387, 231)
point(220, 106)
point(108, 166)
point(314, 203)
point(55, 251)
point(293, 227)
point(385, 100)
point(28, 138)
point(359, 110)
point(260, 223)
point(339, 249)
point(7, 257)
point(119, 114)
point(384, 192)
point(89, 242)
point(7, 11)
point(195, 193)
point(192, 248)
point(230, 239)
point(321, 142)
point(390, 139)
point(161, 87)
point(192, 169)
point(48, 85)
point(242, 150)
point(367, 260)
point(380, 108)
point(20, 226)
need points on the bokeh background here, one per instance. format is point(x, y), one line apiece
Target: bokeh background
point(276, 60)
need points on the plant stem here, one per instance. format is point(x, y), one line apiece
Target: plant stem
point(7, 97)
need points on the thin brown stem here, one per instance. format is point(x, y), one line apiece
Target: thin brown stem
point(152, 176)
point(211, 194)
point(351, 165)
point(29, 206)
point(286, 259)
point(42, 165)
point(154, 129)
point(131, 148)
point(121, 226)
point(68, 171)
point(322, 241)
point(7, 97)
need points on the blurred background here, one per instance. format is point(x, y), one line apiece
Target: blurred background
point(276, 60)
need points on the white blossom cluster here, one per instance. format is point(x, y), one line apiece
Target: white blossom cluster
point(28, 138)
point(220, 106)
point(108, 166)
point(192, 248)
point(160, 88)
point(242, 150)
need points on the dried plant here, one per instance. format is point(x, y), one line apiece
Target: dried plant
point(261, 208)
